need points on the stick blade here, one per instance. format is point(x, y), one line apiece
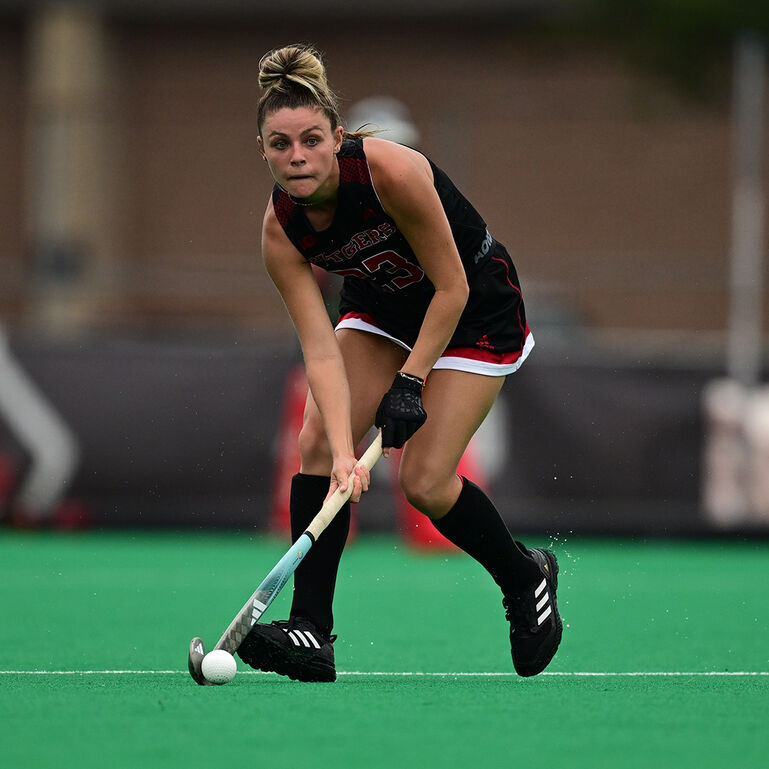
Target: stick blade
point(195, 660)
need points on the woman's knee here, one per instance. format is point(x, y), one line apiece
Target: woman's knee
point(314, 451)
point(430, 489)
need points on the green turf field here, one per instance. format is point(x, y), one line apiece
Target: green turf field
point(95, 629)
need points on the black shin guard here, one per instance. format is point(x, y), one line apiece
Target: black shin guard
point(475, 526)
point(315, 577)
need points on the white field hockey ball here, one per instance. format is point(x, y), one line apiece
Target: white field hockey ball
point(219, 667)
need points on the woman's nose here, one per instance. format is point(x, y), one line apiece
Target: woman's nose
point(297, 158)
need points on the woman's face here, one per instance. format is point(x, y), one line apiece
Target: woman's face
point(300, 149)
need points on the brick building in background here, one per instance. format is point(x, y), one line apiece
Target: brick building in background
point(611, 190)
point(131, 284)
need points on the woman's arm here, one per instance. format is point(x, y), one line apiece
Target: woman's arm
point(324, 364)
point(404, 182)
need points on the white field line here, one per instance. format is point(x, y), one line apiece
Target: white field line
point(415, 674)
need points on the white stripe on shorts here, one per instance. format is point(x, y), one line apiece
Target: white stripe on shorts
point(452, 362)
point(363, 325)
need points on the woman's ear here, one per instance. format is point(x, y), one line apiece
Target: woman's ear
point(261, 147)
point(338, 138)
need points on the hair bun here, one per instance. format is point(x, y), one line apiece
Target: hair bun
point(292, 77)
point(293, 65)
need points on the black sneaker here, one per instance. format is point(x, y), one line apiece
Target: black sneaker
point(293, 648)
point(535, 625)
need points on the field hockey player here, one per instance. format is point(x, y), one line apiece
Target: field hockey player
point(431, 323)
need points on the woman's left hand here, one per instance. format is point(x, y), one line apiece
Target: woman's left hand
point(340, 474)
point(401, 413)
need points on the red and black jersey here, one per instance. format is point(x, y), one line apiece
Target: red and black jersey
point(382, 275)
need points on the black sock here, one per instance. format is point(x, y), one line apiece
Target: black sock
point(475, 526)
point(315, 577)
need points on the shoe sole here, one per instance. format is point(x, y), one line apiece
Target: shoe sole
point(275, 658)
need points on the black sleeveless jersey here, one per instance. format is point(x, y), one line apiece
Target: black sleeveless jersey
point(382, 275)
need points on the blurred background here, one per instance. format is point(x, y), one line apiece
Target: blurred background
point(148, 370)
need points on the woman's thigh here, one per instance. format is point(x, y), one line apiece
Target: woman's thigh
point(456, 403)
point(371, 362)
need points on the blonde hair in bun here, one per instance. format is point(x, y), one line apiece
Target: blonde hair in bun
point(294, 76)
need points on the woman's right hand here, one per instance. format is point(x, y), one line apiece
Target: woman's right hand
point(340, 474)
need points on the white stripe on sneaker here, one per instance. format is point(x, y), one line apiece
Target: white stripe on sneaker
point(545, 614)
point(540, 588)
point(545, 598)
point(300, 638)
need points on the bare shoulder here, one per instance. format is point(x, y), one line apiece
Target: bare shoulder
point(273, 234)
point(278, 252)
point(392, 164)
point(271, 227)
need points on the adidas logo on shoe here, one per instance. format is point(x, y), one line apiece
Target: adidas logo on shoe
point(303, 638)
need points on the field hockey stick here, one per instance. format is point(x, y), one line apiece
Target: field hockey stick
point(273, 583)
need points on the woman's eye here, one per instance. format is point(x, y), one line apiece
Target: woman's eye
point(312, 140)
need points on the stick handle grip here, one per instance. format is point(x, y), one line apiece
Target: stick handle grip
point(334, 503)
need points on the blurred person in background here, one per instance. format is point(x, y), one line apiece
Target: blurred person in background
point(390, 116)
point(431, 321)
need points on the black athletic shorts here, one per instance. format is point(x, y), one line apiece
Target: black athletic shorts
point(491, 338)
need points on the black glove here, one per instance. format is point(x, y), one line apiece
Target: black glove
point(401, 414)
